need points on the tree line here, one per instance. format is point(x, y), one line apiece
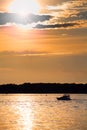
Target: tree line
point(44, 88)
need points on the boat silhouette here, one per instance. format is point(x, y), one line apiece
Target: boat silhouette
point(64, 97)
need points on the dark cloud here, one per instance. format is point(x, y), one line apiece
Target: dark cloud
point(15, 18)
point(82, 15)
point(79, 16)
point(65, 25)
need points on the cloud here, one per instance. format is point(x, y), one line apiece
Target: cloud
point(15, 18)
point(76, 16)
point(23, 53)
point(31, 53)
point(65, 25)
point(52, 2)
point(70, 11)
point(82, 15)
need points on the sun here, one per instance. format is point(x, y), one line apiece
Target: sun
point(24, 7)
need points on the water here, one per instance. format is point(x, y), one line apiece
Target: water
point(42, 112)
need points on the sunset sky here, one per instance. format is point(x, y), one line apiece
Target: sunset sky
point(43, 41)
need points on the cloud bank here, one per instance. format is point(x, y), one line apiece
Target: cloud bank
point(56, 14)
point(65, 25)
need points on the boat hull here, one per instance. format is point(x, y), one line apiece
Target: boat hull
point(64, 99)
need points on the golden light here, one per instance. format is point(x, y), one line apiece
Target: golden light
point(24, 7)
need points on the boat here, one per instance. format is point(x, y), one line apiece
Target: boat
point(64, 97)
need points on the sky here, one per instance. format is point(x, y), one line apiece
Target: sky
point(43, 41)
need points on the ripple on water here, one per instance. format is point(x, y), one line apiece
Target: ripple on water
point(41, 112)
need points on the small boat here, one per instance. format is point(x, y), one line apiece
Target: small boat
point(64, 97)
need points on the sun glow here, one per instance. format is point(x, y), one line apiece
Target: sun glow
point(24, 7)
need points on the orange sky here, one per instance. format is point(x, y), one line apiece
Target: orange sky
point(47, 46)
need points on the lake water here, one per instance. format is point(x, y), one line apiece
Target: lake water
point(42, 112)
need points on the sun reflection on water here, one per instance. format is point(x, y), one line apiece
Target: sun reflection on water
point(23, 110)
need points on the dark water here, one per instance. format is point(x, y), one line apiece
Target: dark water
point(42, 112)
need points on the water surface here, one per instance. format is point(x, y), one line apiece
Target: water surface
point(42, 112)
